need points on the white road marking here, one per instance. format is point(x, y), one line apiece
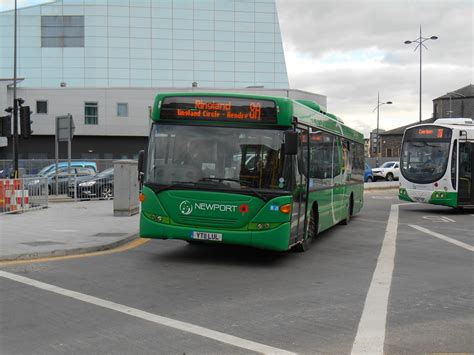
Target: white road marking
point(172, 323)
point(65, 230)
point(443, 237)
point(439, 219)
point(370, 336)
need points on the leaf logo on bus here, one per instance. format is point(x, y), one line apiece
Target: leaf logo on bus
point(186, 207)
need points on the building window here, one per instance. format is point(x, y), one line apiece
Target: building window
point(122, 109)
point(91, 113)
point(62, 31)
point(42, 107)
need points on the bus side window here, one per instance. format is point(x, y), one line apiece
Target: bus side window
point(336, 161)
point(321, 150)
point(454, 163)
point(303, 153)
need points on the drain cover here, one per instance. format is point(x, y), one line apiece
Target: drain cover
point(109, 234)
point(41, 242)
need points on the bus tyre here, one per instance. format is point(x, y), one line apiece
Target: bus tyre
point(389, 177)
point(350, 205)
point(311, 233)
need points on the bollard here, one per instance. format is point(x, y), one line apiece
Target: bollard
point(126, 188)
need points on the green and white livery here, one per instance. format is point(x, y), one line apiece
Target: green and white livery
point(436, 163)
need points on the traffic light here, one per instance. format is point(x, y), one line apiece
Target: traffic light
point(25, 122)
point(6, 126)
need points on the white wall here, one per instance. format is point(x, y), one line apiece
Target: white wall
point(62, 101)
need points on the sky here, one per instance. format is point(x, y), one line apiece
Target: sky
point(349, 50)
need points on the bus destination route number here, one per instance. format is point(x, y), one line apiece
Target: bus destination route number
point(218, 109)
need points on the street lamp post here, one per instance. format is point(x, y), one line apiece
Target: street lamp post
point(15, 103)
point(451, 93)
point(420, 43)
point(377, 147)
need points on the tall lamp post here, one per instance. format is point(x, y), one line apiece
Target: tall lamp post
point(451, 94)
point(15, 174)
point(377, 147)
point(420, 43)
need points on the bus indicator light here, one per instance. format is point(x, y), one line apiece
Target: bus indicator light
point(141, 197)
point(286, 209)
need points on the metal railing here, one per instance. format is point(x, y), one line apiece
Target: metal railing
point(91, 188)
point(21, 195)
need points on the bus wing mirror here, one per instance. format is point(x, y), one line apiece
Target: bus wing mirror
point(141, 164)
point(291, 143)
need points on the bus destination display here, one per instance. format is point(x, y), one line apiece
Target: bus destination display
point(429, 132)
point(206, 108)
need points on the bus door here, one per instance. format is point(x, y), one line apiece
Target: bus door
point(300, 188)
point(466, 168)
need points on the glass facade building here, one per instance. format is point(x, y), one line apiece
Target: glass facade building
point(145, 43)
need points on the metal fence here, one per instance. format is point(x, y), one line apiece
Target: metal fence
point(21, 195)
point(98, 187)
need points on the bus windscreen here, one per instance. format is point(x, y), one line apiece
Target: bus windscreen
point(212, 108)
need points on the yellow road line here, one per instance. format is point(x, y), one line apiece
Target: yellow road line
point(133, 244)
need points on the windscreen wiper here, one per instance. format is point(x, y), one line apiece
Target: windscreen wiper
point(243, 182)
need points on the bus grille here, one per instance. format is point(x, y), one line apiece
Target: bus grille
point(207, 221)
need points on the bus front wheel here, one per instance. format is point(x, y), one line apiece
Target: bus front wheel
point(350, 208)
point(311, 232)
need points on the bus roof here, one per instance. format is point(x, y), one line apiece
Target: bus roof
point(306, 112)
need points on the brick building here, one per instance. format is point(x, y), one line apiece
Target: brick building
point(457, 103)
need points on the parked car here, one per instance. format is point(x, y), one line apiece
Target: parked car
point(368, 175)
point(388, 171)
point(98, 186)
point(63, 179)
point(79, 164)
point(6, 171)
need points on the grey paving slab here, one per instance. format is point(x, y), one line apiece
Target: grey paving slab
point(64, 228)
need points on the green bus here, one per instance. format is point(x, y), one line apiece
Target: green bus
point(261, 171)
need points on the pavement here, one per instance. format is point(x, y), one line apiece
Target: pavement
point(64, 228)
point(68, 228)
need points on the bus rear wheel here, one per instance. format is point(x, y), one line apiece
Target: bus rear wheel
point(311, 232)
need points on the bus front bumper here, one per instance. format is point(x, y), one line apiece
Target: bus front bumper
point(273, 239)
point(434, 197)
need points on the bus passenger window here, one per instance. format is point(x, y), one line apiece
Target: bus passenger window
point(321, 147)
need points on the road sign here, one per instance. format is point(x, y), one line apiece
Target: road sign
point(3, 141)
point(65, 128)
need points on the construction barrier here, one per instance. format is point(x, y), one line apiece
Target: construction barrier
point(15, 196)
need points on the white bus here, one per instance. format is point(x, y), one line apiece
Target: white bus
point(437, 163)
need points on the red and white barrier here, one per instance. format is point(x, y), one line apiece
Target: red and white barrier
point(12, 196)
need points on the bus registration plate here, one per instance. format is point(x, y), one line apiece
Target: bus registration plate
point(216, 237)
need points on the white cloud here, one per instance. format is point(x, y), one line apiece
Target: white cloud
point(350, 50)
